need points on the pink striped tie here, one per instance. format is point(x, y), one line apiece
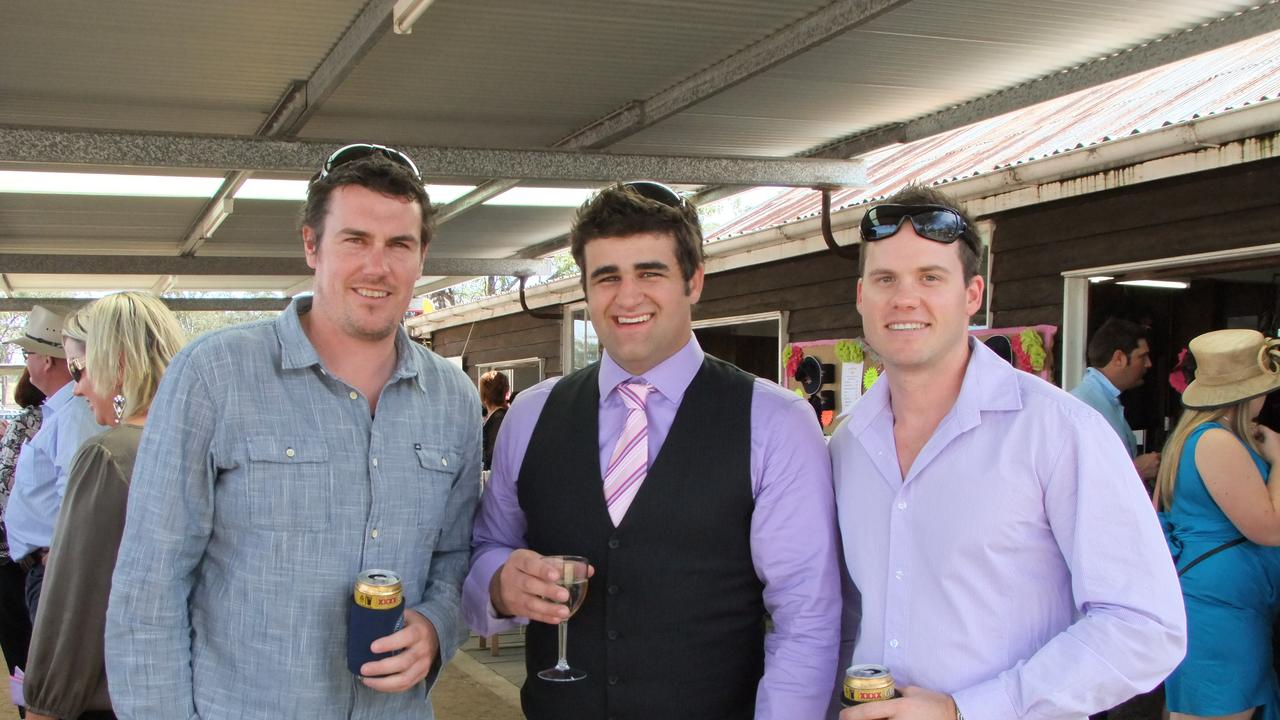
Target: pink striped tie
point(630, 460)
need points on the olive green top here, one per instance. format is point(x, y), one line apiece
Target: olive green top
point(66, 673)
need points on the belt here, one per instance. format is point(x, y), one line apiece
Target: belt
point(33, 558)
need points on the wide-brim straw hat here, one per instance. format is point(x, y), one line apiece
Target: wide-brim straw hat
point(43, 333)
point(1231, 366)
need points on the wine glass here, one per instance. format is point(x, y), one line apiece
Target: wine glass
point(573, 577)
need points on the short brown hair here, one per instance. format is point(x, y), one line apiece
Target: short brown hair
point(493, 388)
point(619, 211)
point(970, 256)
point(375, 173)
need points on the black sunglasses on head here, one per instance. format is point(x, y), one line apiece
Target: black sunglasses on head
point(656, 192)
point(360, 151)
point(935, 222)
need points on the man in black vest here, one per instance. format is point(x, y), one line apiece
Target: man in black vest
point(701, 495)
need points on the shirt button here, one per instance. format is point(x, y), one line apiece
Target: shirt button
point(614, 543)
point(613, 634)
point(289, 452)
point(614, 589)
point(375, 462)
point(444, 461)
point(354, 395)
point(893, 643)
point(898, 574)
point(613, 679)
point(374, 533)
point(902, 505)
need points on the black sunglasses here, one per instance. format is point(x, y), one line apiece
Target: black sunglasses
point(360, 151)
point(935, 222)
point(76, 367)
point(656, 192)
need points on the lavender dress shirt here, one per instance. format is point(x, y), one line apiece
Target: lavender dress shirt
point(1010, 567)
point(793, 537)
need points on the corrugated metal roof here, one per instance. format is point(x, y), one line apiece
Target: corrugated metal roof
point(1232, 77)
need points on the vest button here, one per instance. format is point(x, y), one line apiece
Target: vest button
point(613, 634)
point(614, 543)
point(614, 589)
point(613, 679)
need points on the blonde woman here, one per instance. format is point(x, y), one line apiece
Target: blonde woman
point(127, 341)
point(1222, 501)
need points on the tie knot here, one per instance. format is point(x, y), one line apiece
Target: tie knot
point(634, 394)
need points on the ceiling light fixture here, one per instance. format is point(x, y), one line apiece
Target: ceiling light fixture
point(406, 13)
point(1165, 284)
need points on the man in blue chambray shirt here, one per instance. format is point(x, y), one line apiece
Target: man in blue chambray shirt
point(1119, 356)
point(283, 457)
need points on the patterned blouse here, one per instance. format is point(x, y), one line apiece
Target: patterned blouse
point(21, 429)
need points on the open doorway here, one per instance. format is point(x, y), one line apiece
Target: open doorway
point(752, 342)
point(1177, 304)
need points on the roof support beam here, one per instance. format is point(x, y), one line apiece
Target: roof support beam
point(5, 286)
point(17, 263)
point(130, 149)
point(1171, 48)
point(24, 304)
point(808, 32)
point(296, 106)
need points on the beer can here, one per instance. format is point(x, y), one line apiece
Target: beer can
point(376, 610)
point(867, 683)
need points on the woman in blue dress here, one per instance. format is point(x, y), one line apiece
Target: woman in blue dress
point(1223, 515)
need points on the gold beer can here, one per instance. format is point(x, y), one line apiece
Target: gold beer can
point(867, 683)
point(378, 590)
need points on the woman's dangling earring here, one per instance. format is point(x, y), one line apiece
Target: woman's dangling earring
point(117, 403)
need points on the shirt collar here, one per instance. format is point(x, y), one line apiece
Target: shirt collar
point(671, 377)
point(1104, 381)
point(296, 350)
point(989, 383)
point(60, 398)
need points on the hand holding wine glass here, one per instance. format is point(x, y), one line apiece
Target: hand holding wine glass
point(526, 586)
point(573, 572)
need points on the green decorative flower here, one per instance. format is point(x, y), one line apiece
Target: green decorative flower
point(799, 392)
point(869, 378)
point(849, 351)
point(786, 354)
point(1033, 346)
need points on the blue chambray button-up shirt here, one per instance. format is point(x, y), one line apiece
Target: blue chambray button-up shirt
point(40, 479)
point(1102, 395)
point(262, 487)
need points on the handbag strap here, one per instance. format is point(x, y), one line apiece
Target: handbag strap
point(1210, 553)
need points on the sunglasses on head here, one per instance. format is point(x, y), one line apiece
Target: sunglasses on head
point(360, 151)
point(76, 367)
point(935, 222)
point(656, 192)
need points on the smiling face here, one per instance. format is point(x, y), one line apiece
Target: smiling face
point(639, 303)
point(103, 409)
point(915, 302)
point(366, 264)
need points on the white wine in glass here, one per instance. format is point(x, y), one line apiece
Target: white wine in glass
point(573, 577)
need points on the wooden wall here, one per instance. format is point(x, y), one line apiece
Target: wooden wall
point(1215, 210)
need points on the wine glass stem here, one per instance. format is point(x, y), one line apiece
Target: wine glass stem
point(563, 631)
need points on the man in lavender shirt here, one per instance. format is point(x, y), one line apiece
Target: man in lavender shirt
point(1004, 570)
point(734, 517)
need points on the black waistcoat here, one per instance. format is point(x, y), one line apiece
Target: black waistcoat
point(672, 626)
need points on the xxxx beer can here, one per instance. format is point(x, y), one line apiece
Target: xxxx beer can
point(376, 610)
point(867, 683)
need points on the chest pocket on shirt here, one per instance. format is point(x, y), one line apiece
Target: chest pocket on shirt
point(439, 469)
point(290, 483)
